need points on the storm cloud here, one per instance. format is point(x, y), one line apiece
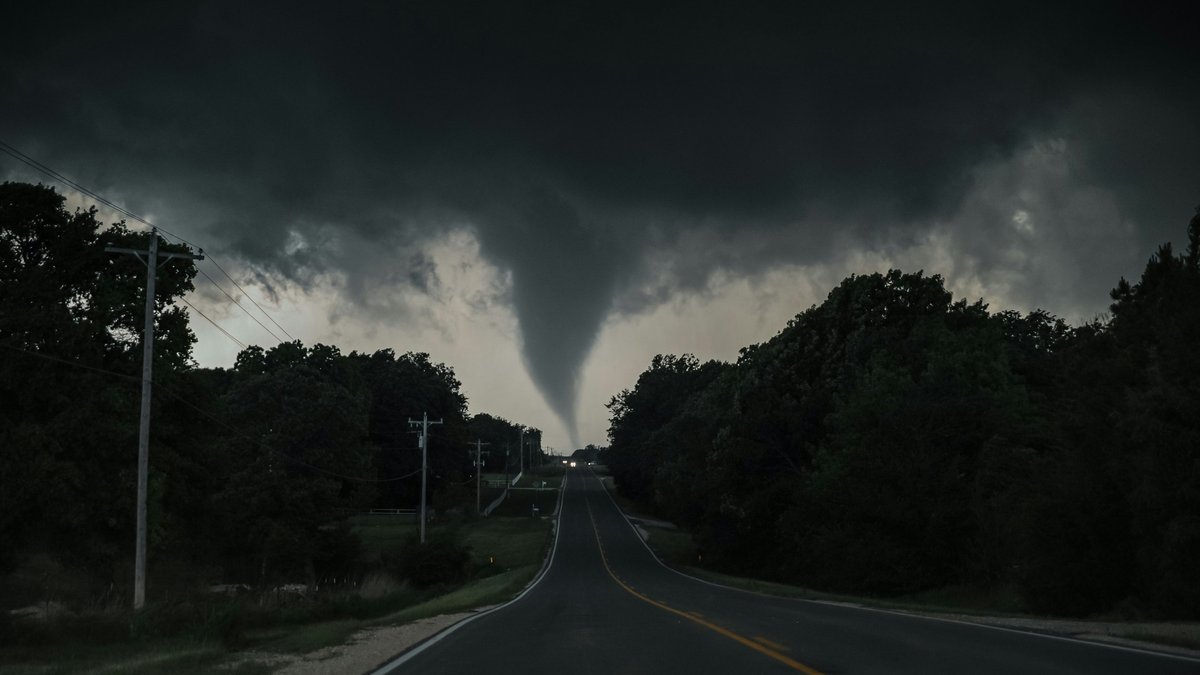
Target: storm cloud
point(611, 157)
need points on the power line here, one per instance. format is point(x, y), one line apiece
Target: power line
point(239, 287)
point(214, 323)
point(22, 157)
point(234, 301)
point(76, 364)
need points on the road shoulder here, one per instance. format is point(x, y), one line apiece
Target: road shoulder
point(1174, 638)
point(363, 652)
point(1160, 637)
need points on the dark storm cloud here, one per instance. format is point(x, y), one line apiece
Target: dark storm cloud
point(590, 145)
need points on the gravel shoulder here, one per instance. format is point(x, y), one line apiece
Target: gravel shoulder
point(365, 651)
point(1165, 637)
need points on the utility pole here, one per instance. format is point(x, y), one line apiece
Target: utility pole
point(152, 263)
point(424, 424)
point(530, 446)
point(478, 474)
point(521, 452)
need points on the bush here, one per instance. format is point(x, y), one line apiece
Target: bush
point(337, 555)
point(92, 629)
point(156, 620)
point(222, 619)
point(1072, 545)
point(225, 622)
point(1170, 569)
point(440, 560)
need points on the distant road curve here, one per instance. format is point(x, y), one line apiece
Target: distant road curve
point(606, 605)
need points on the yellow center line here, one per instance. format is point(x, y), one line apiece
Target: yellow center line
point(760, 645)
point(768, 643)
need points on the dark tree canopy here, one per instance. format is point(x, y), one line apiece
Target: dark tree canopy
point(250, 467)
point(893, 440)
point(63, 297)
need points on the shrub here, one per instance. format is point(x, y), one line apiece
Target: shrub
point(337, 555)
point(225, 622)
point(1072, 546)
point(440, 560)
point(220, 619)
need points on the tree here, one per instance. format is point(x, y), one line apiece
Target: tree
point(65, 303)
point(635, 415)
point(299, 442)
point(1193, 249)
point(400, 388)
point(896, 475)
point(1156, 418)
point(497, 434)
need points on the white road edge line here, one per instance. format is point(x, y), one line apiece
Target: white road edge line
point(405, 656)
point(1093, 643)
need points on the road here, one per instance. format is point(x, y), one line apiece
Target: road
point(606, 605)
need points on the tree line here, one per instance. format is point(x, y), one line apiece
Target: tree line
point(252, 467)
point(892, 440)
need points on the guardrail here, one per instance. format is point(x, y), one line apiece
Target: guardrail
point(495, 502)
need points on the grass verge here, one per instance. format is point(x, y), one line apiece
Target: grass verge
point(484, 592)
point(160, 658)
point(674, 547)
point(519, 503)
point(627, 505)
point(481, 593)
point(1186, 636)
point(506, 555)
point(506, 543)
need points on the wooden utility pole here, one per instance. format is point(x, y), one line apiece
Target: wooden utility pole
point(478, 474)
point(424, 424)
point(521, 452)
point(152, 263)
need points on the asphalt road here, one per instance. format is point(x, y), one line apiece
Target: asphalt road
point(606, 605)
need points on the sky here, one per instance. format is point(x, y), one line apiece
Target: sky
point(545, 195)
